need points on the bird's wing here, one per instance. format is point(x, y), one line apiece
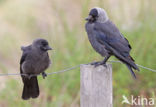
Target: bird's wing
point(108, 32)
point(23, 58)
point(21, 62)
point(26, 51)
point(108, 35)
point(26, 48)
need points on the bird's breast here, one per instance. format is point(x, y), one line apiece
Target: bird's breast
point(41, 65)
point(92, 38)
point(36, 65)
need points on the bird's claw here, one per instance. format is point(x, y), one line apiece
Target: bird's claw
point(94, 63)
point(28, 76)
point(44, 75)
point(98, 64)
point(105, 65)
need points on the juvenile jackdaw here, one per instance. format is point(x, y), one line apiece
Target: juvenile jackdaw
point(34, 60)
point(107, 40)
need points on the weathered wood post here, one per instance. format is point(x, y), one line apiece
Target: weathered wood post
point(96, 86)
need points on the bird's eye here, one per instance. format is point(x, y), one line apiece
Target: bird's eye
point(94, 12)
point(44, 43)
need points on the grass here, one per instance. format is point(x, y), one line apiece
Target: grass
point(23, 21)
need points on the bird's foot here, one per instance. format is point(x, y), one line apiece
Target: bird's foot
point(28, 76)
point(99, 63)
point(94, 63)
point(44, 75)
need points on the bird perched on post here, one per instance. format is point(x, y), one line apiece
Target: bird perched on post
point(34, 60)
point(107, 40)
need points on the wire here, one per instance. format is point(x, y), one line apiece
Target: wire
point(138, 65)
point(146, 68)
point(13, 74)
point(68, 69)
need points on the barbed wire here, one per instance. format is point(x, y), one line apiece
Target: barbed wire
point(68, 69)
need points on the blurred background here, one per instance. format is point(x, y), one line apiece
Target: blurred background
point(62, 22)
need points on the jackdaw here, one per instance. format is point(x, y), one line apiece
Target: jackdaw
point(34, 60)
point(107, 40)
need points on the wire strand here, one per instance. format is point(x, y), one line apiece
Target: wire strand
point(138, 66)
point(68, 69)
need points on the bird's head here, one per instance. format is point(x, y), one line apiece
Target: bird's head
point(41, 45)
point(97, 15)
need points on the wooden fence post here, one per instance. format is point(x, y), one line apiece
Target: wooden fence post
point(96, 86)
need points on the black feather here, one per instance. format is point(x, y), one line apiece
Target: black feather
point(131, 71)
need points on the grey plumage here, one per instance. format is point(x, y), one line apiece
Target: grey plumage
point(107, 40)
point(34, 60)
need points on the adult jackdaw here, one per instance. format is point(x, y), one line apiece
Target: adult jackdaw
point(107, 40)
point(34, 60)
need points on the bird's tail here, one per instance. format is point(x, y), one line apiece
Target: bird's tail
point(132, 63)
point(128, 61)
point(131, 70)
point(31, 88)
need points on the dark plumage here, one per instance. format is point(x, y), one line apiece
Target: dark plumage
point(34, 60)
point(107, 40)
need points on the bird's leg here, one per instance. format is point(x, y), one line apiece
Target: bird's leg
point(44, 75)
point(105, 59)
point(103, 62)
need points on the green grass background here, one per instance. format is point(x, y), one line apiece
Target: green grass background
point(62, 24)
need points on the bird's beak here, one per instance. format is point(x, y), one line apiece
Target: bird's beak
point(88, 18)
point(48, 48)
